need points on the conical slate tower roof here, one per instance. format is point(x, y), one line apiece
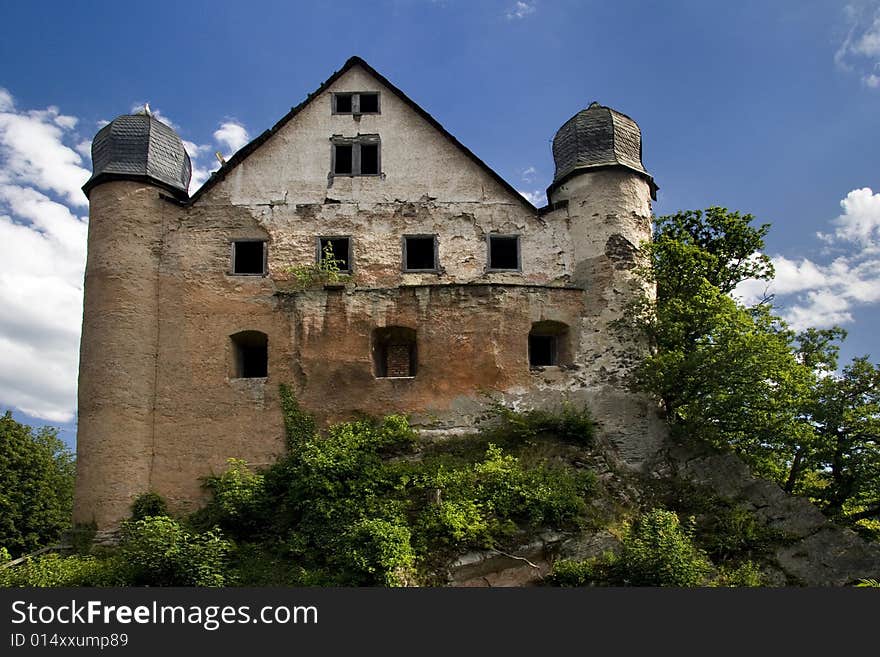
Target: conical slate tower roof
point(595, 137)
point(140, 147)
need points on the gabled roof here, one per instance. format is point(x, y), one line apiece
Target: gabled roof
point(245, 151)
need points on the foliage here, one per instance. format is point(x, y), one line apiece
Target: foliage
point(299, 426)
point(659, 551)
point(36, 497)
point(868, 583)
point(567, 423)
point(148, 504)
point(236, 498)
point(570, 572)
point(327, 270)
point(738, 378)
point(53, 570)
point(846, 454)
point(352, 507)
point(746, 574)
point(160, 551)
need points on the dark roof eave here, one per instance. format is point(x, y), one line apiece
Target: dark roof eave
point(246, 150)
point(596, 167)
point(101, 178)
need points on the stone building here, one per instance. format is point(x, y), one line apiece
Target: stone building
point(457, 286)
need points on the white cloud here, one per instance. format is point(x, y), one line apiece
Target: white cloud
point(860, 49)
point(520, 10)
point(33, 152)
point(809, 293)
point(232, 135)
point(536, 197)
point(528, 174)
point(84, 148)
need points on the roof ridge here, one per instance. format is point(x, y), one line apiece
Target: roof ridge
point(352, 61)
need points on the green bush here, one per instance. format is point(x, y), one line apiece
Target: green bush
point(659, 551)
point(159, 551)
point(378, 551)
point(566, 423)
point(147, 505)
point(747, 573)
point(569, 572)
point(53, 570)
point(238, 501)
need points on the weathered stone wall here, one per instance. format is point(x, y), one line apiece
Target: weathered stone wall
point(118, 350)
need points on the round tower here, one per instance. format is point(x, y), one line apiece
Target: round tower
point(601, 183)
point(135, 159)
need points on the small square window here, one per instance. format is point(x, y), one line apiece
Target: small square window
point(343, 103)
point(337, 247)
point(369, 103)
point(343, 159)
point(249, 257)
point(420, 253)
point(504, 252)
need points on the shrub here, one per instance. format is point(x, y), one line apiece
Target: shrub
point(159, 551)
point(378, 551)
point(238, 503)
point(747, 573)
point(53, 570)
point(659, 551)
point(569, 572)
point(567, 423)
point(147, 505)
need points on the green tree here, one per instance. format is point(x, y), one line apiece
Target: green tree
point(724, 372)
point(847, 453)
point(36, 493)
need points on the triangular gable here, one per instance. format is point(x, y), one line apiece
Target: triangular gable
point(246, 150)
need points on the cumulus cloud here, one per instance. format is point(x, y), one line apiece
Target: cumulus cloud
point(821, 295)
point(42, 247)
point(231, 135)
point(34, 151)
point(860, 49)
point(520, 10)
point(528, 174)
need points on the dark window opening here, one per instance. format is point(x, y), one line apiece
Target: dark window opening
point(369, 159)
point(339, 248)
point(369, 103)
point(343, 103)
point(542, 350)
point(362, 102)
point(250, 351)
point(343, 159)
point(394, 352)
point(548, 344)
point(249, 257)
point(420, 253)
point(503, 252)
point(356, 156)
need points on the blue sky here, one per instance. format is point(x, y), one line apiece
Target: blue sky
point(772, 108)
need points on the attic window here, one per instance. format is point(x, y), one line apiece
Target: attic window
point(356, 156)
point(504, 252)
point(420, 253)
point(361, 102)
point(249, 257)
point(337, 247)
point(250, 355)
